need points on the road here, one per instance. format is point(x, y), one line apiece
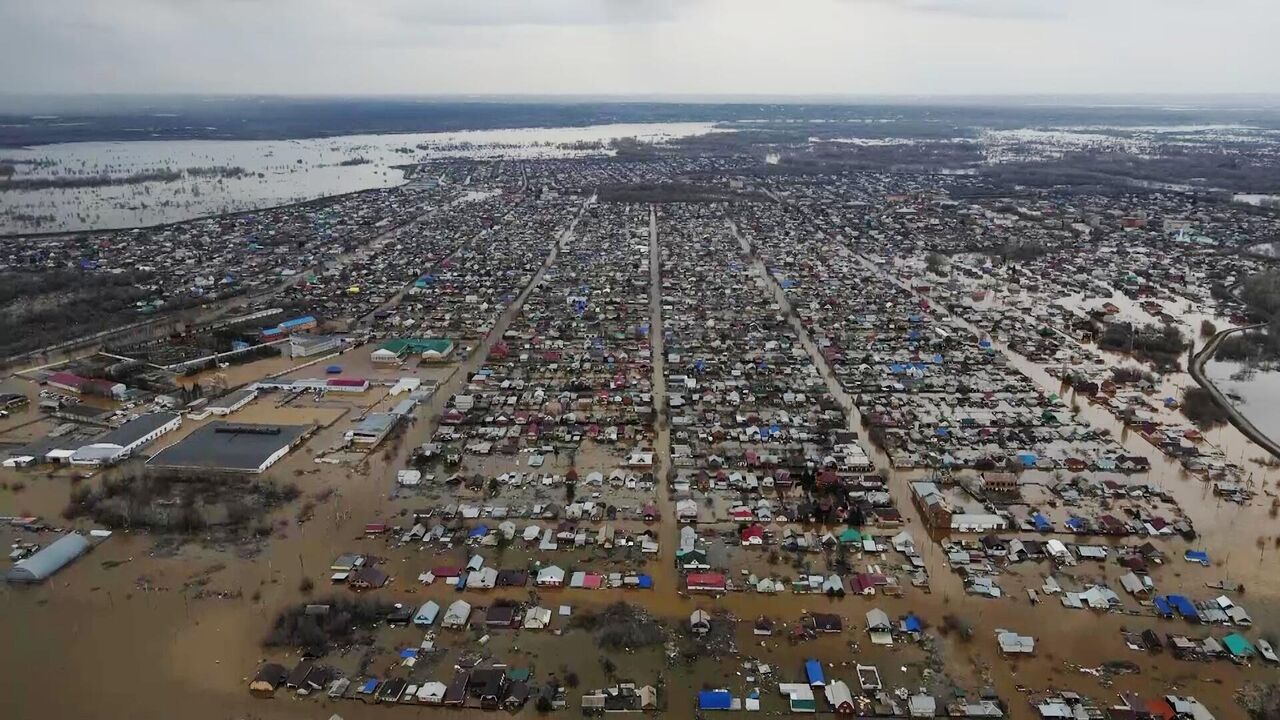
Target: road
point(1237, 418)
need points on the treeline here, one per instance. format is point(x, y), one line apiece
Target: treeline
point(316, 628)
point(1119, 170)
point(1161, 346)
point(75, 182)
point(180, 502)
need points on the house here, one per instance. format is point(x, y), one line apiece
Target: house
point(922, 706)
point(488, 685)
point(839, 697)
point(707, 582)
point(827, 622)
point(800, 697)
point(500, 616)
point(269, 677)
point(426, 615)
point(537, 618)
point(431, 692)
point(457, 616)
point(700, 622)
point(1012, 643)
point(551, 576)
point(368, 577)
point(763, 626)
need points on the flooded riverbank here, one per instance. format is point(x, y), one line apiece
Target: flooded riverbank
point(146, 183)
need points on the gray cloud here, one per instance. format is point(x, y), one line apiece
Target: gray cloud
point(837, 47)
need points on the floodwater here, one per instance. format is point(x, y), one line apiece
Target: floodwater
point(276, 172)
point(104, 640)
point(1255, 391)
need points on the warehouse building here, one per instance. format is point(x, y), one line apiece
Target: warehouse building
point(306, 345)
point(372, 429)
point(57, 555)
point(232, 402)
point(430, 349)
point(120, 443)
point(231, 447)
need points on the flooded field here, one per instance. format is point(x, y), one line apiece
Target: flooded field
point(209, 177)
point(1255, 391)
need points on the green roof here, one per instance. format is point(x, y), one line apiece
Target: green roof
point(1238, 645)
point(850, 535)
point(400, 346)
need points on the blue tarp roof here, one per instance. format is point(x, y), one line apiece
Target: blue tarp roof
point(911, 623)
point(646, 582)
point(409, 652)
point(714, 700)
point(1198, 556)
point(813, 670)
point(1162, 607)
point(1027, 458)
point(1075, 523)
point(1185, 607)
point(369, 685)
point(479, 531)
point(1042, 522)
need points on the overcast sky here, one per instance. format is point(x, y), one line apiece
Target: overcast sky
point(640, 46)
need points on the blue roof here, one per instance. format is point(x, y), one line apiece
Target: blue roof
point(1075, 523)
point(1042, 523)
point(479, 531)
point(369, 685)
point(1198, 556)
point(646, 582)
point(714, 700)
point(813, 670)
point(305, 319)
point(911, 623)
point(1162, 607)
point(1185, 607)
point(409, 652)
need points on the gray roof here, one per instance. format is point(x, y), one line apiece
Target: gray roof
point(50, 560)
point(228, 446)
point(230, 399)
point(376, 423)
point(130, 432)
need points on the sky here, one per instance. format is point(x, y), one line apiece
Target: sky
point(628, 47)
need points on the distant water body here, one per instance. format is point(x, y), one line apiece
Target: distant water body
point(276, 172)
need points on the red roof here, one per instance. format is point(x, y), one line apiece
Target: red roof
point(446, 572)
point(346, 382)
point(66, 378)
point(705, 580)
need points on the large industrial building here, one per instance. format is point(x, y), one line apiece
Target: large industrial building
point(430, 350)
point(231, 447)
point(306, 345)
point(120, 443)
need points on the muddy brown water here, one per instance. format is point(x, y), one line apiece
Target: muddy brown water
point(115, 641)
